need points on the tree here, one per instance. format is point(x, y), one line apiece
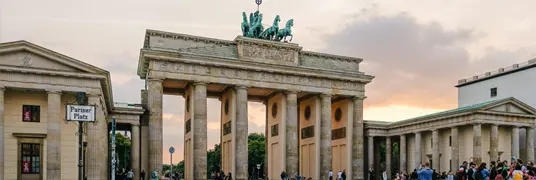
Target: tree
point(214, 159)
point(256, 152)
point(122, 150)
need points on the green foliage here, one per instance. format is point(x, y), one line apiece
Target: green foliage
point(395, 157)
point(122, 150)
point(214, 159)
point(256, 151)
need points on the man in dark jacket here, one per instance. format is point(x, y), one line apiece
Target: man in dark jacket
point(414, 174)
point(372, 175)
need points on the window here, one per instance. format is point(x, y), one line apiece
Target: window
point(31, 113)
point(431, 143)
point(30, 159)
point(450, 141)
point(493, 92)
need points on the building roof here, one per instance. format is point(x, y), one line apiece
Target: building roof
point(497, 73)
point(457, 111)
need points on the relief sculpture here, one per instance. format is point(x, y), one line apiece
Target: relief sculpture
point(271, 54)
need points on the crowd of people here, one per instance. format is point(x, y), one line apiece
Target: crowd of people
point(516, 169)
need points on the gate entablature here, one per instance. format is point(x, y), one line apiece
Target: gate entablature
point(261, 63)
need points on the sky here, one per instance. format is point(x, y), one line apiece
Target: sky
point(416, 49)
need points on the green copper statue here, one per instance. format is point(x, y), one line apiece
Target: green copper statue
point(255, 29)
point(271, 32)
point(283, 33)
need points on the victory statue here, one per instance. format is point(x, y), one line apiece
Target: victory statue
point(255, 29)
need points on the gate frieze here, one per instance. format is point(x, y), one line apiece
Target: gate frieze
point(211, 73)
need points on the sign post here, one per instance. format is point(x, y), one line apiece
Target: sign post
point(171, 151)
point(81, 113)
point(113, 149)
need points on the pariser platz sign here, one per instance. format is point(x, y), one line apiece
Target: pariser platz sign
point(84, 113)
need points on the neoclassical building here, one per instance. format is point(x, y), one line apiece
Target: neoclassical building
point(36, 142)
point(483, 132)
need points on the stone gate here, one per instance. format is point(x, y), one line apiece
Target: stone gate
point(314, 103)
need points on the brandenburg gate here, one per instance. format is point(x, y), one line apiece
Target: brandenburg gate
point(314, 103)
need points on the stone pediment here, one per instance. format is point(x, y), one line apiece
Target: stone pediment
point(510, 106)
point(25, 55)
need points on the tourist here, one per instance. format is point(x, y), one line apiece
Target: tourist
point(229, 176)
point(218, 176)
point(425, 173)
point(154, 175)
point(130, 175)
point(339, 175)
point(283, 175)
point(142, 175)
point(435, 175)
point(343, 175)
point(372, 175)
point(470, 171)
point(384, 174)
point(450, 176)
point(414, 174)
point(493, 170)
point(517, 174)
point(330, 175)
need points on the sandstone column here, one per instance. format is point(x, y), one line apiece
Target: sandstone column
point(418, 149)
point(241, 153)
point(515, 142)
point(54, 121)
point(200, 131)
point(494, 143)
point(2, 89)
point(97, 139)
point(435, 149)
point(371, 153)
point(388, 147)
point(358, 149)
point(477, 143)
point(135, 149)
point(144, 126)
point(291, 124)
point(154, 102)
point(454, 148)
point(530, 143)
point(403, 162)
point(325, 136)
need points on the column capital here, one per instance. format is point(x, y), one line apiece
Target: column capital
point(291, 92)
point(155, 79)
point(241, 87)
point(359, 98)
point(326, 95)
point(53, 91)
point(200, 83)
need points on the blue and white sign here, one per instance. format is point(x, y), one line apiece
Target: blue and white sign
point(171, 150)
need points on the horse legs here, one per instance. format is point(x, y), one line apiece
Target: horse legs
point(291, 37)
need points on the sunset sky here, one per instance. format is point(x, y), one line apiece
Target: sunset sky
point(417, 49)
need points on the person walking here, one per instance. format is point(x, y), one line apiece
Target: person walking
point(339, 175)
point(372, 175)
point(330, 175)
point(142, 175)
point(154, 175)
point(343, 175)
point(130, 175)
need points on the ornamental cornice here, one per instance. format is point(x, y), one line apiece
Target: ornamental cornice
point(331, 56)
point(267, 43)
point(51, 72)
point(171, 35)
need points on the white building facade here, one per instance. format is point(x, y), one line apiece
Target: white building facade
point(514, 81)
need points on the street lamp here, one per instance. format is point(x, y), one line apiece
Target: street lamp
point(258, 170)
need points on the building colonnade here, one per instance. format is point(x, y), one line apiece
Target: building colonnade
point(196, 132)
point(454, 141)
